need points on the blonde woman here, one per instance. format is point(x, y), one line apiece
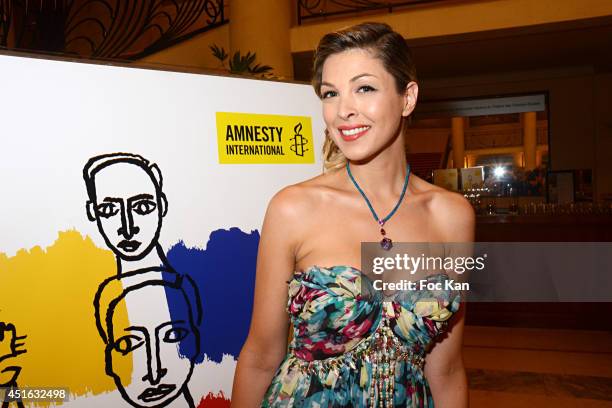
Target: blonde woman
point(351, 350)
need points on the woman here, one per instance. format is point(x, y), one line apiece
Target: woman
point(365, 78)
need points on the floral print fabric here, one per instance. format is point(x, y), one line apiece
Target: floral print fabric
point(335, 314)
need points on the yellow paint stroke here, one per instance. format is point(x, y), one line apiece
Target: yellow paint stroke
point(48, 296)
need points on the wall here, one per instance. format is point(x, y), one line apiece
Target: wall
point(427, 140)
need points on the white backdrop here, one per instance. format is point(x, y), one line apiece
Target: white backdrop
point(54, 115)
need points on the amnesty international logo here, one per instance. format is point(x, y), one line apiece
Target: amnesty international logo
point(246, 138)
point(299, 141)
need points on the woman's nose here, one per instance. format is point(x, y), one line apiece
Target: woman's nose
point(346, 107)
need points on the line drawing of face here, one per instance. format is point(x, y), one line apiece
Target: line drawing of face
point(151, 340)
point(126, 201)
point(362, 108)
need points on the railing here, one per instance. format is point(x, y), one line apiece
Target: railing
point(312, 9)
point(107, 29)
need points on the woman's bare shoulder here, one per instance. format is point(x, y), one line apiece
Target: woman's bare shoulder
point(451, 211)
point(300, 199)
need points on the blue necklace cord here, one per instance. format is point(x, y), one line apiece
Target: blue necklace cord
point(401, 198)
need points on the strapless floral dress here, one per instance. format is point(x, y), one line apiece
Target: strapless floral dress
point(352, 348)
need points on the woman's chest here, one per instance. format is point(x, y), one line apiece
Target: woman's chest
point(335, 236)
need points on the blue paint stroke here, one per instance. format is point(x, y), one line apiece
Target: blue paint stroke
point(225, 275)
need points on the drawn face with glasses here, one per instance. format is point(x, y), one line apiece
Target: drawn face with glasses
point(126, 201)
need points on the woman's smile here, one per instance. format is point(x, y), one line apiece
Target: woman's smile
point(352, 132)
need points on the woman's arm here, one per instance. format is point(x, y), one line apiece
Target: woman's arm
point(444, 369)
point(266, 344)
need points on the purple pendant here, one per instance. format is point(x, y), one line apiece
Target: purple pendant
point(386, 244)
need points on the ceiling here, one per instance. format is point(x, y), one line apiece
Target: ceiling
point(576, 43)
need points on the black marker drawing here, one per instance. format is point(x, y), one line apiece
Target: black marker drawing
point(150, 337)
point(11, 346)
point(127, 203)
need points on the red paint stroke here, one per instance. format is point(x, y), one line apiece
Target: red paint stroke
point(214, 401)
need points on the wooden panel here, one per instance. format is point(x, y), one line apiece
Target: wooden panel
point(559, 315)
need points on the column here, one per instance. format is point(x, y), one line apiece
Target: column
point(538, 158)
point(517, 159)
point(262, 27)
point(458, 139)
point(529, 140)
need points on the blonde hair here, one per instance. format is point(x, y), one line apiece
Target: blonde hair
point(386, 45)
point(333, 159)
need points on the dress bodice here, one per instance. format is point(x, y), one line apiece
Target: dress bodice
point(334, 309)
point(353, 347)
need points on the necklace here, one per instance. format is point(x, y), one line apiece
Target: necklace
point(386, 242)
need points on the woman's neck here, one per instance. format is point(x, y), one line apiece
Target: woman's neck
point(384, 175)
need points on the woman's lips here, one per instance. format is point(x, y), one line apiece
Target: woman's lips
point(350, 133)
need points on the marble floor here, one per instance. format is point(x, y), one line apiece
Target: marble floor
point(510, 367)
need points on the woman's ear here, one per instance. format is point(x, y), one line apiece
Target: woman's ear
point(411, 94)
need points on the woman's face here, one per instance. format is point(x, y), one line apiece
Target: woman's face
point(361, 106)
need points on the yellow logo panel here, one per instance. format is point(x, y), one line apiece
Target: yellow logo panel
point(248, 138)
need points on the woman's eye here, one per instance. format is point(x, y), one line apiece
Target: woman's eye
point(143, 207)
point(107, 209)
point(328, 94)
point(127, 344)
point(365, 88)
point(175, 335)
